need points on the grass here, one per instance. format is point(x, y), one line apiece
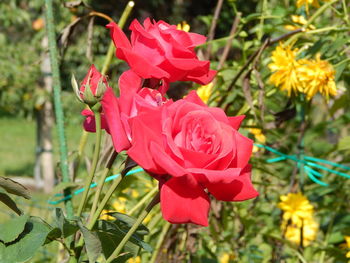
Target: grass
point(17, 155)
point(18, 143)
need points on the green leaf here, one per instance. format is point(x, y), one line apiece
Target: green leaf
point(28, 242)
point(120, 230)
point(344, 143)
point(10, 203)
point(109, 241)
point(128, 222)
point(92, 243)
point(67, 228)
point(53, 235)
point(13, 187)
point(335, 237)
point(11, 229)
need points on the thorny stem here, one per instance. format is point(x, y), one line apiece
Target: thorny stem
point(132, 230)
point(58, 104)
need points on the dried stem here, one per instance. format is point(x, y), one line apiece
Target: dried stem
point(213, 26)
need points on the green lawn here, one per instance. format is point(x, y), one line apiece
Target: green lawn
point(17, 147)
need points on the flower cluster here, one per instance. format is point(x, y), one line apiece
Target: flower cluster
point(306, 3)
point(307, 76)
point(298, 215)
point(193, 150)
point(299, 22)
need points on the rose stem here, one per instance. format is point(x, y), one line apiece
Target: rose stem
point(159, 242)
point(94, 160)
point(132, 230)
point(101, 183)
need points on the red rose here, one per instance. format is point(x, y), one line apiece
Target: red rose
point(192, 149)
point(162, 52)
point(133, 98)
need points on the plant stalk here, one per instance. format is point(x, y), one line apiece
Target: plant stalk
point(57, 103)
point(94, 161)
point(132, 230)
point(160, 241)
point(101, 182)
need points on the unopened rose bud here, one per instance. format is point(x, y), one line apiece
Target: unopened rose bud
point(92, 87)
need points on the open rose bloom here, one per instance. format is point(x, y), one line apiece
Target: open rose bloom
point(193, 150)
point(159, 51)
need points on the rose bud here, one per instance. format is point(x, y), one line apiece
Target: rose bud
point(92, 87)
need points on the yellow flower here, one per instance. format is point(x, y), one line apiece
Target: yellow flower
point(226, 257)
point(285, 69)
point(298, 20)
point(306, 3)
point(104, 215)
point(310, 228)
point(346, 246)
point(204, 92)
point(296, 207)
point(134, 193)
point(119, 205)
point(183, 26)
point(317, 75)
point(147, 219)
point(135, 260)
point(259, 136)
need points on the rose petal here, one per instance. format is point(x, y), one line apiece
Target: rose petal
point(239, 189)
point(236, 121)
point(244, 148)
point(206, 176)
point(129, 85)
point(119, 38)
point(141, 66)
point(202, 79)
point(164, 161)
point(111, 110)
point(181, 203)
point(139, 150)
point(193, 97)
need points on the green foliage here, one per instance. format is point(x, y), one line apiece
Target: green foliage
point(26, 242)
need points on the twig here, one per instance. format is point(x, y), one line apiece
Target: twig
point(89, 53)
point(229, 41)
point(213, 26)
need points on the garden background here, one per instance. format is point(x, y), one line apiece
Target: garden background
point(284, 122)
